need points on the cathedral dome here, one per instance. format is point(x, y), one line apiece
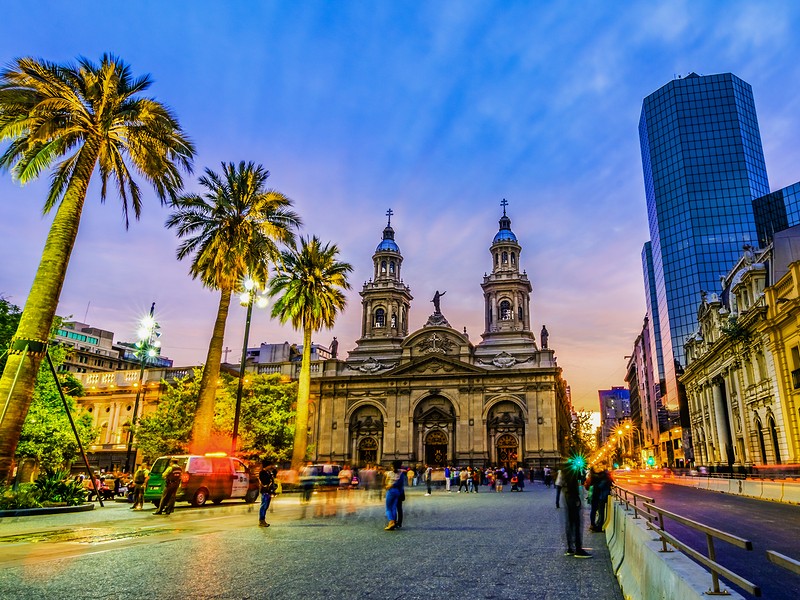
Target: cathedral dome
point(505, 234)
point(387, 243)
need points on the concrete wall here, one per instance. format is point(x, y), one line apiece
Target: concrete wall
point(776, 491)
point(643, 572)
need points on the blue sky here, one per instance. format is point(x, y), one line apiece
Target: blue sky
point(437, 110)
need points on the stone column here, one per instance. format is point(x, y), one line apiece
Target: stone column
point(742, 423)
point(723, 433)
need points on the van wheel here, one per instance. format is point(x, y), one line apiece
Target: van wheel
point(251, 496)
point(200, 497)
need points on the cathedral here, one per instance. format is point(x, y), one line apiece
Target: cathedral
point(432, 396)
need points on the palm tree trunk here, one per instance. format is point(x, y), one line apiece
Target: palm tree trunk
point(204, 417)
point(303, 392)
point(40, 309)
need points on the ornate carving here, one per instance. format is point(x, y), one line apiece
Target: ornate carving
point(434, 367)
point(367, 426)
point(435, 343)
point(504, 360)
point(371, 366)
point(436, 320)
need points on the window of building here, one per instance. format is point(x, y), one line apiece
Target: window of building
point(505, 310)
point(380, 318)
point(505, 258)
point(513, 259)
point(519, 312)
point(391, 268)
point(383, 267)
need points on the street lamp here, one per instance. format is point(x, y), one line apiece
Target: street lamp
point(146, 348)
point(251, 295)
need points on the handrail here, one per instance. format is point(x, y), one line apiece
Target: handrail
point(636, 496)
point(784, 561)
point(709, 561)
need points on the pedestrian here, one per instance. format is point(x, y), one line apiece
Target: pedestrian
point(600, 483)
point(395, 490)
point(463, 476)
point(447, 479)
point(266, 478)
point(139, 482)
point(172, 481)
point(572, 499)
point(521, 479)
point(548, 476)
point(559, 485)
point(428, 478)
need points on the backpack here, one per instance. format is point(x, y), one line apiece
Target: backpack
point(139, 477)
point(174, 477)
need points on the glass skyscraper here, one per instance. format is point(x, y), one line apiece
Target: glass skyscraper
point(776, 211)
point(703, 166)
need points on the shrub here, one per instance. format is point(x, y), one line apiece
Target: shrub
point(54, 486)
point(26, 496)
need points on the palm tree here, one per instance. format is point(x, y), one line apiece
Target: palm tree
point(232, 231)
point(311, 281)
point(77, 118)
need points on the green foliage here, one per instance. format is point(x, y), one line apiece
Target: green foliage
point(25, 497)
point(733, 330)
point(581, 435)
point(266, 426)
point(168, 429)
point(46, 434)
point(265, 423)
point(55, 486)
point(9, 320)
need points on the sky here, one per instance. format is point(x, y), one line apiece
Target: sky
point(437, 110)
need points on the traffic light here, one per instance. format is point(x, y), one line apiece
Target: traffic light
point(651, 461)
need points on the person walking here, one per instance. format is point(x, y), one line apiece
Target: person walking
point(447, 479)
point(463, 476)
point(600, 482)
point(428, 478)
point(395, 490)
point(267, 480)
point(139, 482)
point(172, 481)
point(573, 501)
point(559, 485)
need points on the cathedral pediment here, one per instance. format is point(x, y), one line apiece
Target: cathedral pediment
point(436, 365)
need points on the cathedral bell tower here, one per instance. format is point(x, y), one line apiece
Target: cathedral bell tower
point(385, 301)
point(507, 297)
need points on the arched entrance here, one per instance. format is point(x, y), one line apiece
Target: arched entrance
point(773, 433)
point(366, 435)
point(506, 432)
point(507, 451)
point(367, 451)
point(434, 431)
point(436, 448)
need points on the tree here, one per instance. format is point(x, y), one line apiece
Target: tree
point(310, 282)
point(266, 416)
point(581, 434)
point(46, 434)
point(232, 232)
point(266, 429)
point(9, 321)
point(77, 118)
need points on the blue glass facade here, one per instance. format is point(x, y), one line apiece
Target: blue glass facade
point(703, 165)
point(653, 322)
point(776, 211)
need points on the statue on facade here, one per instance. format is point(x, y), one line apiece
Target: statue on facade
point(436, 307)
point(544, 337)
point(334, 347)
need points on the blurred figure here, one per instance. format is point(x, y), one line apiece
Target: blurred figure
point(395, 483)
point(447, 479)
point(139, 481)
point(428, 479)
point(559, 485)
point(600, 484)
point(172, 480)
point(573, 501)
point(548, 476)
point(266, 478)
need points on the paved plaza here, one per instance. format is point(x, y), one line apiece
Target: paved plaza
point(484, 545)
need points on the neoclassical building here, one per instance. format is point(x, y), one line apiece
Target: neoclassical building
point(737, 408)
point(433, 396)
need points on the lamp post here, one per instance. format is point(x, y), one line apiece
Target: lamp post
point(250, 296)
point(146, 347)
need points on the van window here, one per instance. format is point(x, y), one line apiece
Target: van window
point(221, 465)
point(239, 466)
point(200, 465)
point(159, 466)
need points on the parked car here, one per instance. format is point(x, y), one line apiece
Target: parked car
point(213, 476)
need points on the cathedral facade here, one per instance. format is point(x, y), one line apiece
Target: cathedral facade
point(431, 395)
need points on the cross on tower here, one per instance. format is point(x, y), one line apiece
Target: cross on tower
point(504, 203)
point(389, 214)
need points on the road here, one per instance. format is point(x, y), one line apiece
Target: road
point(483, 545)
point(769, 525)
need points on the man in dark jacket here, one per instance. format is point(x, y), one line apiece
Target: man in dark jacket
point(172, 481)
point(267, 479)
point(600, 484)
point(572, 492)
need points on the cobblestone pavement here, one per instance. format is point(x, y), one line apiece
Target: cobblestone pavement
point(484, 545)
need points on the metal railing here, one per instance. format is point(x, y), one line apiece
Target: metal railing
point(655, 515)
point(710, 561)
point(784, 561)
